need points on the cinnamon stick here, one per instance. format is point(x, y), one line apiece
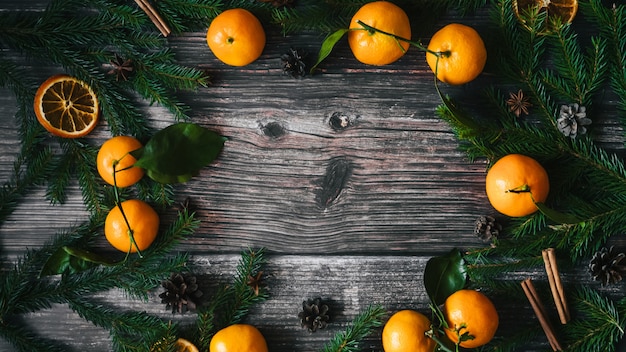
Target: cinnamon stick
point(540, 312)
point(549, 259)
point(154, 17)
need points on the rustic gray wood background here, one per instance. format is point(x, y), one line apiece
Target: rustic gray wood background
point(347, 214)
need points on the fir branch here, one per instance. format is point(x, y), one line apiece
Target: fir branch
point(612, 25)
point(65, 165)
point(146, 273)
point(331, 15)
point(361, 327)
point(189, 15)
point(599, 325)
point(23, 179)
point(207, 318)
point(140, 278)
point(184, 225)
point(567, 61)
point(128, 16)
point(32, 164)
point(160, 194)
point(129, 331)
point(314, 17)
point(520, 51)
point(600, 166)
point(596, 192)
point(121, 113)
point(89, 183)
point(244, 296)
point(577, 76)
point(487, 270)
point(231, 302)
point(516, 341)
point(60, 37)
point(24, 339)
point(22, 291)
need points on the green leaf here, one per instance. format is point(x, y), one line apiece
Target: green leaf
point(57, 263)
point(88, 256)
point(328, 45)
point(72, 260)
point(557, 216)
point(178, 152)
point(444, 275)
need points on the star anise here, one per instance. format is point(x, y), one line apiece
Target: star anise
point(121, 68)
point(279, 3)
point(518, 103)
point(255, 282)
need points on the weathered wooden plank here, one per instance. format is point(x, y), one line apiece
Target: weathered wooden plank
point(347, 177)
point(347, 283)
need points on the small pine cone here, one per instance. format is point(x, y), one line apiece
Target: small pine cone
point(294, 63)
point(314, 314)
point(572, 120)
point(182, 293)
point(608, 266)
point(487, 228)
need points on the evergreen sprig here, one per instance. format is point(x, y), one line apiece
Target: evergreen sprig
point(600, 324)
point(362, 326)
point(83, 38)
point(611, 23)
point(129, 331)
point(587, 202)
point(588, 183)
point(330, 15)
point(23, 291)
point(232, 301)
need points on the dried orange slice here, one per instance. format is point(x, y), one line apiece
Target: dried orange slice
point(66, 106)
point(564, 10)
point(183, 345)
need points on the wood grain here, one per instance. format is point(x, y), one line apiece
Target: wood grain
point(347, 283)
point(347, 177)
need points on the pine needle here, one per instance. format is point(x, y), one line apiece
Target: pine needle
point(362, 326)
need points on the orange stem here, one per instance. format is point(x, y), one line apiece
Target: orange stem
point(119, 205)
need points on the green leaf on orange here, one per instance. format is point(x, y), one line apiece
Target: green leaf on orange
point(444, 275)
point(327, 46)
point(72, 260)
point(556, 215)
point(177, 153)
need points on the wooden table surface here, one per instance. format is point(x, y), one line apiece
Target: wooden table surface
point(347, 214)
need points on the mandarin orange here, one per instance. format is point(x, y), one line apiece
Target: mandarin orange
point(462, 54)
point(514, 183)
point(236, 37)
point(375, 48)
point(471, 312)
point(114, 158)
point(143, 221)
point(406, 331)
point(238, 338)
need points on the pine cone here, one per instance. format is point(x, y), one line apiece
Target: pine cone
point(294, 63)
point(487, 228)
point(572, 120)
point(314, 314)
point(608, 266)
point(182, 293)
